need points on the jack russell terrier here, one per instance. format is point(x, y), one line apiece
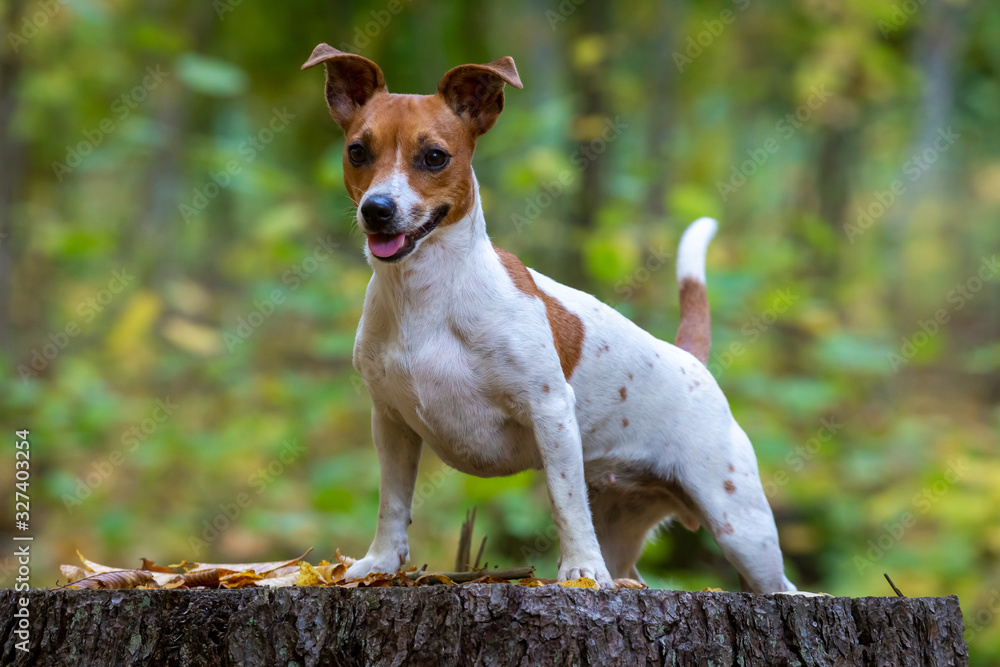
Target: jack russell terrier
point(498, 368)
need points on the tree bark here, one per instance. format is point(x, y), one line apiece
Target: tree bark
point(477, 625)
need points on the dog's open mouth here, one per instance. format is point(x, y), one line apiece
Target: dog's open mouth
point(394, 247)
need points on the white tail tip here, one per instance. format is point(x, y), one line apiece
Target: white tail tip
point(692, 249)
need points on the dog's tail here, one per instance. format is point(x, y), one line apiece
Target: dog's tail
point(694, 333)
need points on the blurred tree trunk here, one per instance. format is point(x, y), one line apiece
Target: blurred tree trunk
point(933, 50)
point(593, 107)
point(12, 155)
point(478, 624)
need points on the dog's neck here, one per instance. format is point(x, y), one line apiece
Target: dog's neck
point(446, 263)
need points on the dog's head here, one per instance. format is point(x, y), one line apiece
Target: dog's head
point(408, 158)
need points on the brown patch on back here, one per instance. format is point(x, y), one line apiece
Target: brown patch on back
point(567, 328)
point(731, 468)
point(729, 486)
point(695, 332)
point(625, 423)
point(623, 392)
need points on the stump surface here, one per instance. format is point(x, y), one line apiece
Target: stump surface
point(477, 625)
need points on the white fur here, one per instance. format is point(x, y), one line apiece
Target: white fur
point(459, 359)
point(692, 248)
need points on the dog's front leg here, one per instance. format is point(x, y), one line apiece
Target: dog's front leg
point(398, 449)
point(558, 437)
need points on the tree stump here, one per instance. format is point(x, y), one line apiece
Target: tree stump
point(476, 624)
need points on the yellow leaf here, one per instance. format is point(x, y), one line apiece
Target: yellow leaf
point(582, 582)
point(192, 337)
point(309, 576)
point(128, 340)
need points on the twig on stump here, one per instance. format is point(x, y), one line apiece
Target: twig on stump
point(898, 592)
point(463, 561)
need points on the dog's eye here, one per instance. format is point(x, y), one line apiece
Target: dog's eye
point(436, 159)
point(357, 154)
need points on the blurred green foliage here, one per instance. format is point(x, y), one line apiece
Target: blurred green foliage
point(849, 149)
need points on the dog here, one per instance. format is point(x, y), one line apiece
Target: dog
point(497, 368)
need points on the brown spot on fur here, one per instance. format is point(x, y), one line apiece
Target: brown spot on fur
point(629, 376)
point(624, 423)
point(695, 332)
point(731, 468)
point(727, 528)
point(545, 388)
point(729, 486)
point(562, 426)
point(563, 475)
point(567, 328)
point(623, 392)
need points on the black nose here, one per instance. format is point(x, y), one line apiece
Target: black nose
point(378, 211)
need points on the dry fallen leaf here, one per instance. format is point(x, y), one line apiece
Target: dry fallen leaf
point(433, 578)
point(153, 567)
point(73, 572)
point(309, 576)
point(246, 579)
point(629, 583)
point(115, 579)
point(582, 582)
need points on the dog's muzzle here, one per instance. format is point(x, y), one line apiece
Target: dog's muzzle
point(390, 245)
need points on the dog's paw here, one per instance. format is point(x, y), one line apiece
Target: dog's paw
point(596, 571)
point(388, 563)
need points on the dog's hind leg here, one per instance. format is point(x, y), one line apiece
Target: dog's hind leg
point(731, 503)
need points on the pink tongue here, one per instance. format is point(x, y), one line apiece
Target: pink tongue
point(383, 245)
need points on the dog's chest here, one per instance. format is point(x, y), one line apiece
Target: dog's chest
point(441, 389)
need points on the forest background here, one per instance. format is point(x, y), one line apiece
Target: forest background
point(181, 277)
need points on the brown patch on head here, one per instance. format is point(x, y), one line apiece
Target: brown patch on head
point(695, 332)
point(623, 392)
point(545, 388)
point(398, 132)
point(567, 328)
point(729, 486)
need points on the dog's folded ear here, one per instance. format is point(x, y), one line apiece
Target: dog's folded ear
point(475, 92)
point(351, 80)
